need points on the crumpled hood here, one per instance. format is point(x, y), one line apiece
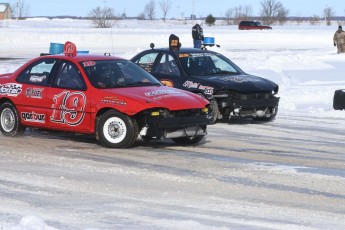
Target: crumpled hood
point(160, 96)
point(241, 83)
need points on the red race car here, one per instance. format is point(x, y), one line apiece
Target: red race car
point(109, 97)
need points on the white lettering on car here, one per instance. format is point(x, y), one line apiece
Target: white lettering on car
point(10, 89)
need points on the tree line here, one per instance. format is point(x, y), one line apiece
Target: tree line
point(271, 12)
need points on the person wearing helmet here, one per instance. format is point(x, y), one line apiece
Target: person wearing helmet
point(198, 35)
point(339, 40)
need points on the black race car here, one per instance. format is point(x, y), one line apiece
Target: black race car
point(232, 92)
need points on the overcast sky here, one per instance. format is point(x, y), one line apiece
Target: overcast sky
point(178, 7)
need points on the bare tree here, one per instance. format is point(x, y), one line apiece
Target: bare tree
point(328, 13)
point(241, 13)
point(20, 9)
point(103, 18)
point(141, 16)
point(314, 20)
point(272, 11)
point(282, 16)
point(165, 7)
point(150, 9)
point(299, 19)
point(229, 14)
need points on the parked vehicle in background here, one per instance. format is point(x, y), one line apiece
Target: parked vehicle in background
point(109, 97)
point(252, 25)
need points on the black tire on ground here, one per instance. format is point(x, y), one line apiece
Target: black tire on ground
point(188, 140)
point(214, 111)
point(116, 130)
point(10, 124)
point(339, 100)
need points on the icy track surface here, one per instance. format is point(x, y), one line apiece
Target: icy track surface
point(285, 174)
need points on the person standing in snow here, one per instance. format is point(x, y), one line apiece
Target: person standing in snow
point(339, 40)
point(198, 35)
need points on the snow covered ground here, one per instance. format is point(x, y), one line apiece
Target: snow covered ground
point(301, 59)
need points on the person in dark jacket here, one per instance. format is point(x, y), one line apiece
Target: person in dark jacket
point(198, 35)
point(339, 40)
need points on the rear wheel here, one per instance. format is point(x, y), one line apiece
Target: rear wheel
point(10, 125)
point(116, 130)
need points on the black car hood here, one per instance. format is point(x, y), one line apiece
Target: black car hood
point(242, 83)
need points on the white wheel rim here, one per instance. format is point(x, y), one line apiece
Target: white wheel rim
point(115, 130)
point(7, 120)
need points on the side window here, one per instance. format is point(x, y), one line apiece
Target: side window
point(37, 73)
point(146, 61)
point(69, 77)
point(167, 66)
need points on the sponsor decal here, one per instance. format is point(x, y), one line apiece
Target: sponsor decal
point(113, 101)
point(239, 79)
point(36, 78)
point(190, 84)
point(34, 93)
point(10, 89)
point(201, 54)
point(161, 97)
point(68, 108)
point(89, 63)
point(161, 92)
point(33, 117)
point(207, 89)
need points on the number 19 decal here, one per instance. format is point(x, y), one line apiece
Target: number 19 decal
point(68, 108)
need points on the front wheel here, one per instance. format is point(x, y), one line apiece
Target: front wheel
point(116, 130)
point(10, 125)
point(214, 111)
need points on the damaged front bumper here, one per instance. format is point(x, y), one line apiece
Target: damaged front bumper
point(256, 108)
point(174, 125)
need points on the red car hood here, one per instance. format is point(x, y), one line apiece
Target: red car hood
point(160, 96)
point(5, 76)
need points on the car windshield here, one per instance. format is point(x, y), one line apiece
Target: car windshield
point(116, 74)
point(206, 64)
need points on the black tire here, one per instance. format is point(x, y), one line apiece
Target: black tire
point(116, 130)
point(188, 140)
point(213, 116)
point(214, 111)
point(339, 99)
point(10, 124)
